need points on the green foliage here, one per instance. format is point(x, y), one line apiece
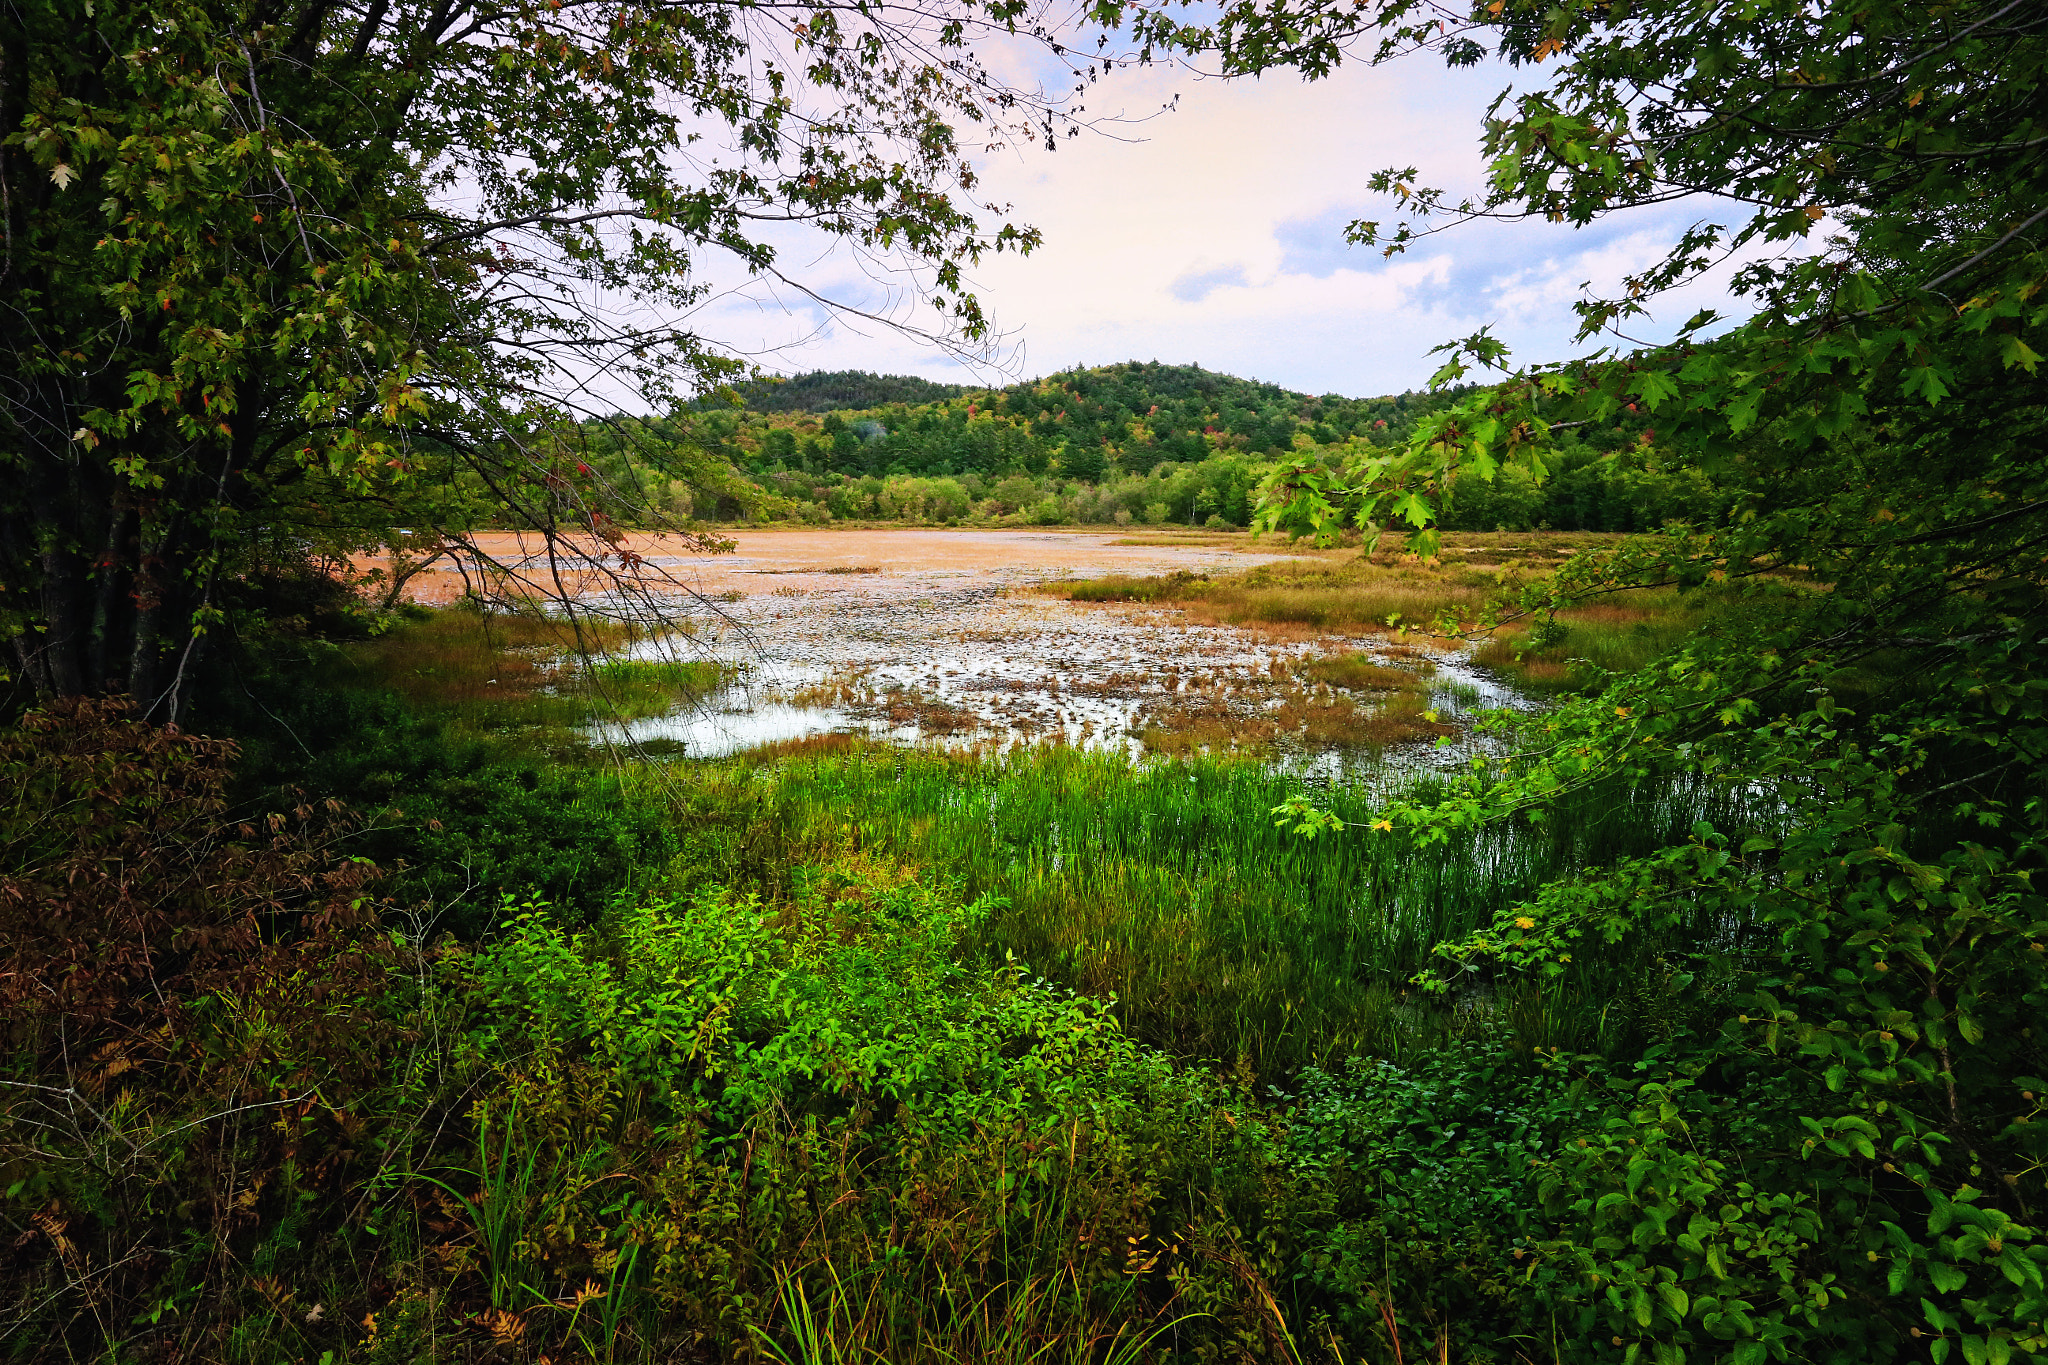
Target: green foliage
point(1912, 317)
point(1098, 443)
point(300, 282)
point(468, 807)
point(825, 391)
point(1839, 1162)
point(680, 1126)
point(813, 1103)
point(1166, 888)
point(1844, 1165)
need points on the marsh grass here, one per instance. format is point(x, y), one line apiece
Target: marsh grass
point(1390, 594)
point(1167, 887)
point(1381, 594)
point(525, 671)
point(912, 706)
point(1163, 885)
point(1617, 634)
point(631, 688)
point(1362, 673)
point(857, 1320)
point(1370, 708)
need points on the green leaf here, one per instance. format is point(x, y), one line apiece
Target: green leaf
point(1653, 387)
point(1923, 381)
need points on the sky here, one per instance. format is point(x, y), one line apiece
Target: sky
point(1213, 235)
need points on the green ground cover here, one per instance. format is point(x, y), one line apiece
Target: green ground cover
point(869, 1058)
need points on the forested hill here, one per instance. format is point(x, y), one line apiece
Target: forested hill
point(1181, 410)
point(1187, 411)
point(841, 391)
point(1131, 442)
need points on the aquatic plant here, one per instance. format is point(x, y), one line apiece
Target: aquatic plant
point(1167, 887)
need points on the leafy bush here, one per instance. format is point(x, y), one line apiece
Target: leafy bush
point(125, 887)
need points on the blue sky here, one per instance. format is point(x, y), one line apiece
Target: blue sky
point(1213, 234)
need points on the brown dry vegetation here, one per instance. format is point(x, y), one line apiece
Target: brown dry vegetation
point(1291, 708)
point(525, 670)
point(855, 690)
point(1344, 593)
point(849, 687)
point(931, 715)
point(1342, 590)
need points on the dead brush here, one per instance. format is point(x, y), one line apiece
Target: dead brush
point(1346, 703)
point(909, 707)
point(852, 688)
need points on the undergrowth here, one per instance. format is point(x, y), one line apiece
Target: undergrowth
point(406, 1029)
point(820, 1112)
point(1167, 888)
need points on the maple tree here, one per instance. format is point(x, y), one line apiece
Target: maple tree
point(287, 279)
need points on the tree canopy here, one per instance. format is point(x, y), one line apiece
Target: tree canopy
point(285, 277)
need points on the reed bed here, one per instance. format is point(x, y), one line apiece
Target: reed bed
point(1354, 597)
point(1389, 594)
point(1168, 887)
point(1615, 635)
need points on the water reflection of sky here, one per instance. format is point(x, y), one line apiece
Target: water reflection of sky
point(995, 670)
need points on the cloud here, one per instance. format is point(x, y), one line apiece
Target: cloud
point(1314, 246)
point(1197, 285)
point(1214, 234)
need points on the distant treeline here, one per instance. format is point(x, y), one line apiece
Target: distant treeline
point(840, 390)
point(1139, 442)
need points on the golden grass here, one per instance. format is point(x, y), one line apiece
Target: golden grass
point(1344, 593)
point(807, 746)
point(1304, 718)
point(526, 670)
point(908, 706)
point(831, 569)
point(1359, 673)
point(852, 687)
point(1345, 702)
point(1616, 634)
point(1350, 595)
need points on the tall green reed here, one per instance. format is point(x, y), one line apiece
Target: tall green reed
point(502, 1210)
point(1168, 887)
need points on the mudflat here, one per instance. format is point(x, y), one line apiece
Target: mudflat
point(885, 560)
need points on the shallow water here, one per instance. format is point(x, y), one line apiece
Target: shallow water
point(970, 658)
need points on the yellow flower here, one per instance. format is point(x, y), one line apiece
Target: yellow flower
point(1525, 923)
